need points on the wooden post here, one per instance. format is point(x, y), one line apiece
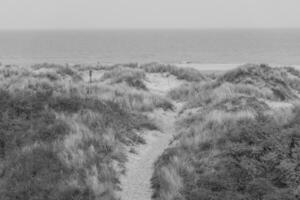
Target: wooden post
point(90, 82)
point(91, 74)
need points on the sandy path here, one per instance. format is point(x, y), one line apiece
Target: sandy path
point(136, 183)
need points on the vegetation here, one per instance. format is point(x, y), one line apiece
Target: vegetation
point(62, 137)
point(242, 142)
point(133, 77)
point(59, 140)
point(53, 70)
point(130, 98)
point(263, 76)
point(188, 74)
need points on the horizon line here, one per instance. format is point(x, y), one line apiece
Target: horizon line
point(148, 29)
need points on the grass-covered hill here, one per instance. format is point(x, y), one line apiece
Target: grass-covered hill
point(60, 139)
point(238, 138)
point(281, 81)
point(64, 136)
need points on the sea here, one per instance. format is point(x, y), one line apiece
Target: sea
point(207, 46)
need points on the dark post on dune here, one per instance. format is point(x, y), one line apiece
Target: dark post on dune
point(91, 74)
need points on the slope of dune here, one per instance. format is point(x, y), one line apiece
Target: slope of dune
point(238, 138)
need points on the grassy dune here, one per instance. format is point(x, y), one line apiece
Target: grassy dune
point(238, 138)
point(64, 137)
point(59, 141)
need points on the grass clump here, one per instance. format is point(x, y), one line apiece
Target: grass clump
point(53, 71)
point(132, 77)
point(188, 74)
point(185, 91)
point(68, 71)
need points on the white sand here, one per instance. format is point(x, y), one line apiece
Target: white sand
point(136, 183)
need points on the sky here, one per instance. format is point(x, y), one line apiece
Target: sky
point(148, 14)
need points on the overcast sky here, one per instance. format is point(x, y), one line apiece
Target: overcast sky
point(137, 14)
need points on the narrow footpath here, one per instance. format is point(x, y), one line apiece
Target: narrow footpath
point(136, 183)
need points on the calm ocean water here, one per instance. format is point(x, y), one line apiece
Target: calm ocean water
point(169, 46)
